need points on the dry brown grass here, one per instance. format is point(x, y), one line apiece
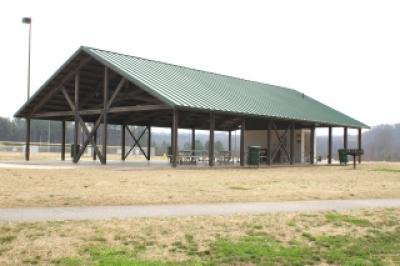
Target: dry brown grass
point(116, 186)
point(43, 242)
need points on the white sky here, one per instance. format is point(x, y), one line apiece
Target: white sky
point(344, 53)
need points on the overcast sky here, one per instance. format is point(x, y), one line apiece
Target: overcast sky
point(343, 53)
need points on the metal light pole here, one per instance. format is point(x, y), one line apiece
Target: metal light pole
point(28, 20)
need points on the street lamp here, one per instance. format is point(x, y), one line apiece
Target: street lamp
point(28, 20)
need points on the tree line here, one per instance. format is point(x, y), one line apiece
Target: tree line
point(380, 143)
point(44, 131)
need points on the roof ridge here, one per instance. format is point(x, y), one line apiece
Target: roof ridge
point(194, 69)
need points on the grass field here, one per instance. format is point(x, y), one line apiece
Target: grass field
point(364, 237)
point(119, 186)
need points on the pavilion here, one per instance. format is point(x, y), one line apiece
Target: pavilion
point(96, 87)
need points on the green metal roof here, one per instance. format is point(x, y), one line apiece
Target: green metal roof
point(190, 88)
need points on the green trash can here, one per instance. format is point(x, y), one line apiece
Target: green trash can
point(253, 157)
point(343, 157)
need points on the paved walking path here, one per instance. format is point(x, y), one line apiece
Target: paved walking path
point(121, 212)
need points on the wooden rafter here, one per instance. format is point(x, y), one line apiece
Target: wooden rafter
point(59, 85)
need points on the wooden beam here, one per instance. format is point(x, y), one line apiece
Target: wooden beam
point(211, 157)
point(89, 136)
point(330, 145)
point(59, 85)
point(120, 109)
point(115, 93)
point(345, 138)
point(174, 136)
point(87, 133)
point(281, 142)
point(269, 146)
point(148, 142)
point(359, 143)
point(76, 118)
point(27, 139)
point(230, 142)
point(63, 140)
point(312, 139)
point(292, 143)
point(105, 113)
point(136, 142)
point(82, 123)
point(242, 152)
point(193, 141)
point(123, 142)
point(94, 144)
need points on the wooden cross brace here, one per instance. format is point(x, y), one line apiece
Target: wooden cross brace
point(281, 144)
point(90, 134)
point(136, 143)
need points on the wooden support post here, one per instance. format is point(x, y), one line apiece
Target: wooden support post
point(63, 140)
point(242, 152)
point(193, 141)
point(105, 110)
point(27, 139)
point(148, 142)
point(330, 145)
point(174, 138)
point(211, 157)
point(269, 146)
point(292, 127)
point(76, 115)
point(359, 143)
point(345, 136)
point(122, 142)
point(312, 142)
point(230, 142)
point(94, 143)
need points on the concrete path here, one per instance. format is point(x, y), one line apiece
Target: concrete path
point(121, 212)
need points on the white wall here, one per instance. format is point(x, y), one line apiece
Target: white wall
point(301, 146)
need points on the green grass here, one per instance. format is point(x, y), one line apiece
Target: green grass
point(389, 170)
point(189, 246)
point(363, 242)
point(105, 255)
point(263, 250)
point(336, 217)
point(6, 239)
point(372, 249)
point(368, 250)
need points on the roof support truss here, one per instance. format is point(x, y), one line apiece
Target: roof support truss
point(59, 85)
